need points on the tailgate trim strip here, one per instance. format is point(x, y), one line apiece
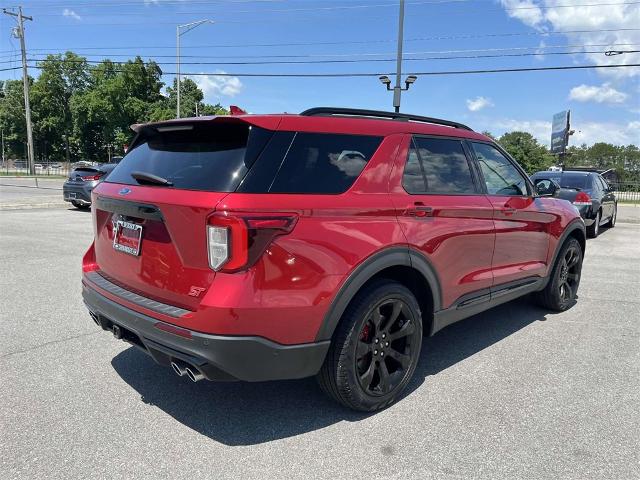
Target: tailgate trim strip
point(134, 298)
point(128, 208)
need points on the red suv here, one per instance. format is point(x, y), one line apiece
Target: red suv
point(264, 247)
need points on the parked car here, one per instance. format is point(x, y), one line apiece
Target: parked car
point(588, 191)
point(82, 180)
point(265, 247)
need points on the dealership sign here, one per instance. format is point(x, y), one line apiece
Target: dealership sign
point(560, 131)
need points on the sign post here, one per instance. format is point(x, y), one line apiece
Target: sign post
point(560, 131)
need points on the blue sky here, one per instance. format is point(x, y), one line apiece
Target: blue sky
point(605, 104)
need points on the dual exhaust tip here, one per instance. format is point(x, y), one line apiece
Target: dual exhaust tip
point(182, 368)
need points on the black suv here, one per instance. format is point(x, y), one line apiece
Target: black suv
point(588, 191)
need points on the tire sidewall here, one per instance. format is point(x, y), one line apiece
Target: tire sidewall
point(559, 304)
point(348, 355)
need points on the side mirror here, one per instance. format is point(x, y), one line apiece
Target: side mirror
point(546, 187)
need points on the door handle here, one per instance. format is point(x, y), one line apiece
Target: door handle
point(420, 211)
point(508, 210)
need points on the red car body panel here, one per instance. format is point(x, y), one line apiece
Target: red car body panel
point(473, 242)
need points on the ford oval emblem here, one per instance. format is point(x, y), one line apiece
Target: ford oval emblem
point(125, 191)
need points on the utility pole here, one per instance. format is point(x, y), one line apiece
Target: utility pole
point(25, 79)
point(188, 27)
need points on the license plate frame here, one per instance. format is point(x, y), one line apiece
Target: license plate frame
point(133, 241)
point(72, 195)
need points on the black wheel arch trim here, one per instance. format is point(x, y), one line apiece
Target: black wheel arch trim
point(389, 257)
point(577, 224)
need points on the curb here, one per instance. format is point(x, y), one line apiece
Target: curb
point(32, 206)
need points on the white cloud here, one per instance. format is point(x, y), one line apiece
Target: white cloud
point(616, 133)
point(70, 13)
point(538, 128)
point(527, 11)
point(622, 20)
point(600, 94)
point(216, 86)
point(478, 103)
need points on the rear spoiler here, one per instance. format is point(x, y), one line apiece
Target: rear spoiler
point(270, 122)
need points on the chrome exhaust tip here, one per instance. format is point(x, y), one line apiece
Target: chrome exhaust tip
point(179, 368)
point(194, 374)
point(117, 332)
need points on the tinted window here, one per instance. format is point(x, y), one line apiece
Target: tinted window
point(567, 179)
point(604, 183)
point(437, 166)
point(323, 163)
point(500, 175)
point(413, 179)
point(212, 157)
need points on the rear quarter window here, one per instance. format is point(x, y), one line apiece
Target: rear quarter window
point(323, 163)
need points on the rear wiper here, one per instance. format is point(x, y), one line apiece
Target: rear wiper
point(150, 179)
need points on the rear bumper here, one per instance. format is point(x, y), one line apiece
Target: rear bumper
point(77, 193)
point(587, 214)
point(218, 357)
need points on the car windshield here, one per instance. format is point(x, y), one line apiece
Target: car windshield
point(576, 181)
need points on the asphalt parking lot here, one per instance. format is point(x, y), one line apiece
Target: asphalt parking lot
point(515, 392)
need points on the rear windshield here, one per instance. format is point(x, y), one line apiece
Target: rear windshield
point(211, 157)
point(574, 181)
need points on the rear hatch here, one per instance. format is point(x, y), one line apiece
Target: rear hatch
point(151, 212)
point(85, 174)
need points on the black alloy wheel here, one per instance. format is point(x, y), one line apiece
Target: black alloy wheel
point(561, 290)
point(569, 272)
point(383, 352)
point(375, 348)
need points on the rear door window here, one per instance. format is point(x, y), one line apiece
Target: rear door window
point(211, 157)
point(438, 166)
point(323, 163)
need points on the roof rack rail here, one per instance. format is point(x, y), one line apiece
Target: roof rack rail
point(356, 112)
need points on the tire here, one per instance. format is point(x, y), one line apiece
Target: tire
point(594, 229)
point(80, 206)
point(561, 290)
point(384, 318)
point(612, 222)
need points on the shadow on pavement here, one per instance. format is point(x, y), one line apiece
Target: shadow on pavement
point(239, 413)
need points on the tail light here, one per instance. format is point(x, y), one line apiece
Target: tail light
point(90, 178)
point(582, 199)
point(236, 242)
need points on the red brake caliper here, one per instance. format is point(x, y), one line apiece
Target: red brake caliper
point(364, 336)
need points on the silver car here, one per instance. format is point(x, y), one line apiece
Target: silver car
point(82, 180)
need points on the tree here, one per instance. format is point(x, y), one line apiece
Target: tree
point(61, 77)
point(120, 95)
point(527, 151)
point(12, 121)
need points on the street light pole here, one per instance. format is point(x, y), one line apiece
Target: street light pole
point(386, 81)
point(188, 27)
point(397, 90)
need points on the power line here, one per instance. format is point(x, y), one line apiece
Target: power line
point(537, 49)
point(263, 20)
point(346, 42)
point(377, 74)
point(371, 60)
point(351, 7)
